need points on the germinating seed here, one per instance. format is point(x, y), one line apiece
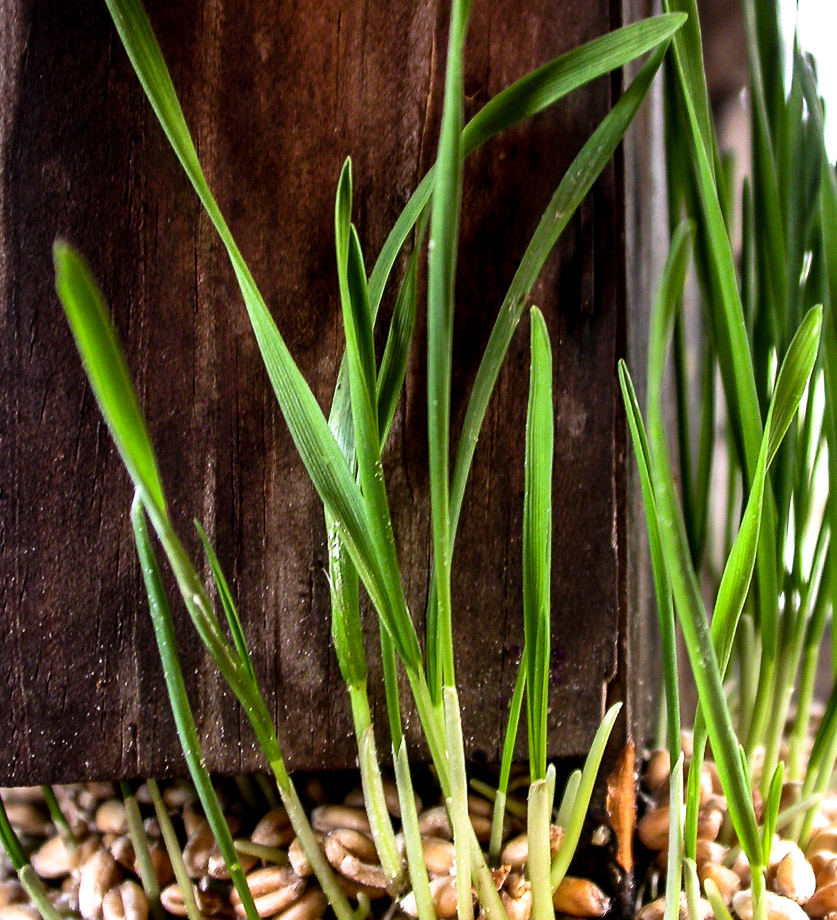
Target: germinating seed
point(274, 829)
point(98, 875)
point(794, 876)
point(327, 818)
point(353, 855)
point(52, 860)
point(110, 818)
point(171, 897)
point(727, 880)
point(125, 902)
point(580, 897)
point(11, 892)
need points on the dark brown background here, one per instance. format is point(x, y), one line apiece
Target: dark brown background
point(277, 94)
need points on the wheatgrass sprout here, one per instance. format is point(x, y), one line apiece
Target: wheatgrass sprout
point(110, 379)
point(537, 565)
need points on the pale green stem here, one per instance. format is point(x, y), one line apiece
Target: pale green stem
point(260, 851)
point(33, 887)
point(62, 825)
point(184, 883)
point(412, 835)
point(539, 862)
point(139, 840)
point(458, 803)
point(373, 789)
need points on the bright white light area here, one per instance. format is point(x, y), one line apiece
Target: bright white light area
point(817, 25)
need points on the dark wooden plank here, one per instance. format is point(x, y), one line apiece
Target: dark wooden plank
point(276, 97)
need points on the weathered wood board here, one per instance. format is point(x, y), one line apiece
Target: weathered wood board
point(277, 94)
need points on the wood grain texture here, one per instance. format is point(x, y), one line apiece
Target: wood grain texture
point(277, 94)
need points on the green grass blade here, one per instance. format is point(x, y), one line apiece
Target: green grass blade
point(509, 741)
point(441, 283)
point(317, 446)
point(537, 542)
point(412, 835)
point(106, 369)
point(565, 809)
point(791, 383)
point(662, 586)
point(227, 602)
point(572, 831)
point(523, 99)
point(393, 367)
point(571, 191)
point(184, 720)
point(771, 810)
point(689, 51)
point(688, 599)
point(184, 883)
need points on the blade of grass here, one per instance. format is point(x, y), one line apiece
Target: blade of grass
point(184, 720)
point(318, 449)
point(572, 830)
point(674, 864)
point(565, 809)
point(524, 99)
point(537, 542)
point(571, 191)
point(537, 564)
point(227, 602)
point(510, 739)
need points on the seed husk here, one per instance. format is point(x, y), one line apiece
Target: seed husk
point(351, 854)
point(171, 897)
point(709, 851)
point(125, 902)
point(273, 888)
point(794, 877)
point(274, 829)
point(827, 874)
point(311, 906)
point(111, 818)
point(52, 860)
point(197, 850)
point(517, 898)
point(11, 892)
point(26, 818)
point(434, 822)
point(823, 901)
point(655, 910)
point(325, 818)
point(579, 897)
point(657, 770)
point(439, 855)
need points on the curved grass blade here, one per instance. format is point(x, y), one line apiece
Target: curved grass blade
point(512, 725)
point(441, 281)
point(524, 99)
point(393, 367)
point(537, 542)
point(571, 191)
point(184, 720)
point(671, 292)
point(687, 595)
point(317, 447)
point(572, 831)
point(227, 602)
point(106, 369)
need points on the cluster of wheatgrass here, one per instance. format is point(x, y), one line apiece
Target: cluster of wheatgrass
point(770, 342)
point(342, 454)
